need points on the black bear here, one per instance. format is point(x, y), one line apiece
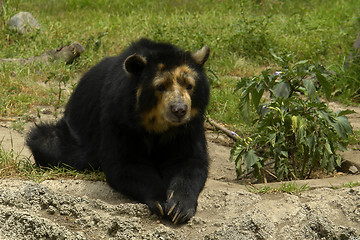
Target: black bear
point(139, 118)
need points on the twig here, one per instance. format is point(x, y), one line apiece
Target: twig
point(252, 170)
point(4, 119)
point(67, 53)
point(228, 132)
point(270, 173)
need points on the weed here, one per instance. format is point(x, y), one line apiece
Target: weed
point(18, 125)
point(351, 184)
point(251, 36)
point(346, 185)
point(290, 188)
point(347, 79)
point(293, 127)
point(40, 174)
point(95, 42)
point(8, 159)
point(15, 165)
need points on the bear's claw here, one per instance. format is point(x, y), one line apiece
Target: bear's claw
point(159, 207)
point(171, 209)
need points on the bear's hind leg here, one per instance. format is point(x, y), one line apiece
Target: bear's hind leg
point(54, 145)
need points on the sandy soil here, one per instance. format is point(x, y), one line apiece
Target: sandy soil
point(74, 209)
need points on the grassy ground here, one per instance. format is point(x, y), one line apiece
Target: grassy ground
point(15, 165)
point(241, 35)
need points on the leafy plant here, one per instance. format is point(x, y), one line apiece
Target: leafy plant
point(294, 129)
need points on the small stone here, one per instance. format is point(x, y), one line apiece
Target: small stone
point(23, 22)
point(45, 111)
point(51, 210)
point(353, 170)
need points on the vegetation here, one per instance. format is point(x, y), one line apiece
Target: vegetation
point(15, 165)
point(294, 128)
point(244, 36)
point(241, 35)
point(347, 185)
point(289, 187)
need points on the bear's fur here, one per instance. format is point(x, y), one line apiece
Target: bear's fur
point(139, 118)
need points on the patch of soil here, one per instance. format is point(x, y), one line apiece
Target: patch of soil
point(75, 209)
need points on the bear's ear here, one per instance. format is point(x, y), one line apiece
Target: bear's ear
point(202, 55)
point(134, 64)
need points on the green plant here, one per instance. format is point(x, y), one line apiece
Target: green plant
point(294, 128)
point(15, 165)
point(95, 42)
point(251, 36)
point(290, 188)
point(350, 184)
point(347, 78)
point(18, 125)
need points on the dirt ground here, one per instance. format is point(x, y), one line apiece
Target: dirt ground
point(75, 209)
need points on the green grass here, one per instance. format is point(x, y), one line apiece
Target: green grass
point(16, 165)
point(289, 187)
point(346, 185)
point(351, 184)
point(241, 35)
point(293, 188)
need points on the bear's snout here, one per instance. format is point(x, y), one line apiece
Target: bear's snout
point(179, 109)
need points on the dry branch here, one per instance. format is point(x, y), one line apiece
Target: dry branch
point(228, 132)
point(67, 54)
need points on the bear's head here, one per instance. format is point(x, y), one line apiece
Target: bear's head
point(172, 88)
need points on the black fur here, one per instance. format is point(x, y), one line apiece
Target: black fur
point(101, 130)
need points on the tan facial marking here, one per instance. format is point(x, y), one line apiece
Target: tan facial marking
point(161, 66)
point(153, 120)
point(194, 112)
point(172, 88)
point(185, 75)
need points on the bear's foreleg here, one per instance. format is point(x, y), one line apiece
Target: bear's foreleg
point(184, 190)
point(140, 182)
point(129, 174)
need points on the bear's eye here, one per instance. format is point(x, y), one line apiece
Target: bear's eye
point(160, 88)
point(189, 87)
point(184, 75)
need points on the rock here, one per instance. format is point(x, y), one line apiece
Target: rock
point(67, 53)
point(23, 23)
point(353, 170)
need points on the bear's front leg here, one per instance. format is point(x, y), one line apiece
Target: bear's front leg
point(126, 171)
point(139, 182)
point(184, 190)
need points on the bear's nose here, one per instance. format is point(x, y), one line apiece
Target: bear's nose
point(179, 109)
